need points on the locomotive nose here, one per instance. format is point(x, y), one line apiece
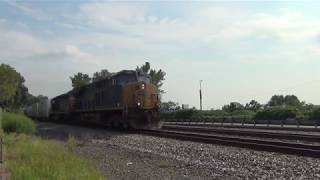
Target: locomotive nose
point(146, 96)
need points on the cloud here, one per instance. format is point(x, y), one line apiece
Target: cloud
point(2, 20)
point(215, 26)
point(112, 15)
point(42, 61)
point(79, 55)
point(35, 13)
point(19, 44)
point(215, 40)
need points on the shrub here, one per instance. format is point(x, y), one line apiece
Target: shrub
point(167, 115)
point(19, 123)
point(188, 113)
point(71, 143)
point(315, 115)
point(164, 164)
point(32, 158)
point(277, 113)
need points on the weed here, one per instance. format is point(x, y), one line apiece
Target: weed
point(19, 123)
point(71, 143)
point(32, 158)
point(164, 164)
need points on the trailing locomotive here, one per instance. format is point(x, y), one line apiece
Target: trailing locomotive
point(126, 99)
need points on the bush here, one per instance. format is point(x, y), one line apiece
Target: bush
point(167, 115)
point(32, 158)
point(315, 115)
point(71, 143)
point(207, 115)
point(188, 113)
point(18, 123)
point(277, 113)
point(164, 164)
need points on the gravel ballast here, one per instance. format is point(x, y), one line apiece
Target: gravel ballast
point(132, 156)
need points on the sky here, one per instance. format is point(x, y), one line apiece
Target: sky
point(241, 50)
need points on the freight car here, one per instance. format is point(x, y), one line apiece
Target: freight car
point(39, 110)
point(126, 99)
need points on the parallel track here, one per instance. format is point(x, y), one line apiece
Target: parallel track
point(275, 135)
point(246, 126)
point(261, 145)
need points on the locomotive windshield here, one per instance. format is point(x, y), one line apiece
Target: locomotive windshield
point(144, 79)
point(126, 76)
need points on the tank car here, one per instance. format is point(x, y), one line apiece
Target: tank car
point(126, 99)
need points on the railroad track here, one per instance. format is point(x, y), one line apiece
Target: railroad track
point(247, 126)
point(275, 135)
point(261, 145)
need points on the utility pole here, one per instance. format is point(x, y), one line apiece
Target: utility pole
point(200, 93)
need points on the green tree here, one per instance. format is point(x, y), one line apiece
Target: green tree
point(315, 115)
point(156, 76)
point(253, 105)
point(8, 83)
point(80, 79)
point(292, 100)
point(276, 100)
point(277, 113)
point(288, 100)
point(21, 92)
point(101, 75)
point(13, 92)
point(233, 106)
point(169, 106)
point(31, 99)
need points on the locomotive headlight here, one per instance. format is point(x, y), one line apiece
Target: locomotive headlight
point(142, 86)
point(138, 104)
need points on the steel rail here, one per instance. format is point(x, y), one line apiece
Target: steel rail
point(256, 144)
point(246, 126)
point(275, 135)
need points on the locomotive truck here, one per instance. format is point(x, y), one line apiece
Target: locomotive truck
point(126, 99)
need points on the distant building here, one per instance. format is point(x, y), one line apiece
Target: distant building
point(185, 106)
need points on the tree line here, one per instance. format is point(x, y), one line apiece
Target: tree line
point(275, 101)
point(13, 92)
point(279, 107)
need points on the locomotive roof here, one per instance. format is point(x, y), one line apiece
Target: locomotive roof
point(123, 72)
point(129, 72)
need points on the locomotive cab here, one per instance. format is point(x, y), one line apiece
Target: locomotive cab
point(141, 104)
point(146, 96)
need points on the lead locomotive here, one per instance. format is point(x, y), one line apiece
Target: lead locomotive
point(126, 99)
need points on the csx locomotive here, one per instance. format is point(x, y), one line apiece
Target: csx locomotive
point(126, 99)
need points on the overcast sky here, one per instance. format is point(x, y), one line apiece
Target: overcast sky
point(241, 51)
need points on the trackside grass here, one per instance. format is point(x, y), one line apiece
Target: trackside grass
point(19, 123)
point(31, 158)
